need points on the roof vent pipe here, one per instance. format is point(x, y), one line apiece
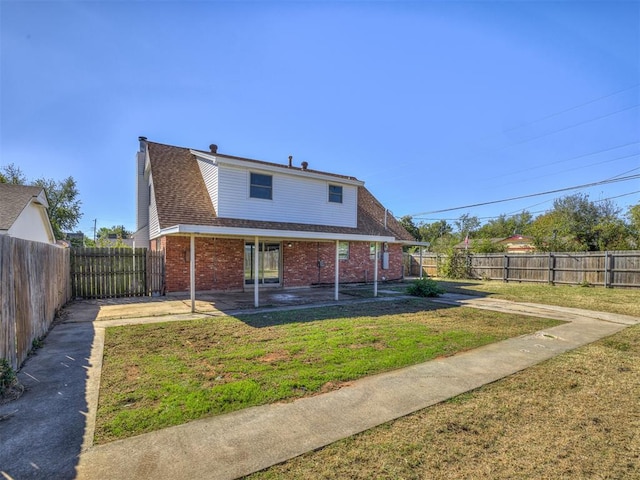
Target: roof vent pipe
point(214, 148)
point(290, 161)
point(304, 165)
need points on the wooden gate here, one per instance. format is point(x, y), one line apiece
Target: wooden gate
point(116, 272)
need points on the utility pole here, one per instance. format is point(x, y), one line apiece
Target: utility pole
point(95, 220)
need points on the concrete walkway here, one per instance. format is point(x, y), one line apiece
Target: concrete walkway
point(239, 443)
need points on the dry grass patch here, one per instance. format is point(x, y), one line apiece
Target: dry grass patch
point(575, 416)
point(619, 300)
point(165, 374)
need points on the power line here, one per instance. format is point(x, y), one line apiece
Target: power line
point(568, 127)
point(522, 210)
point(563, 129)
point(565, 160)
point(575, 168)
point(617, 196)
point(624, 173)
point(577, 187)
point(568, 110)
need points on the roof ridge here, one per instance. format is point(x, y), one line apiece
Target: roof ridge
point(169, 145)
point(263, 162)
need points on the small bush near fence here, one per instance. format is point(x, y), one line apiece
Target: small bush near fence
point(425, 287)
point(456, 265)
point(7, 375)
point(10, 389)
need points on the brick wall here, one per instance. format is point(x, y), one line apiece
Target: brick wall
point(220, 263)
point(311, 263)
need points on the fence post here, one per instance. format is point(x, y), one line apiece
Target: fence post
point(606, 269)
point(505, 269)
point(551, 269)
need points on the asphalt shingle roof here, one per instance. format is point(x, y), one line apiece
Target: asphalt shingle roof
point(182, 198)
point(13, 199)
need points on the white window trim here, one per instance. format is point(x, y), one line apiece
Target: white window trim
point(250, 185)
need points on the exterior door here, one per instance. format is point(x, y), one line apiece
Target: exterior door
point(268, 263)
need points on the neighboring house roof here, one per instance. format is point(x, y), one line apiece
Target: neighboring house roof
point(15, 199)
point(519, 239)
point(518, 243)
point(514, 243)
point(182, 198)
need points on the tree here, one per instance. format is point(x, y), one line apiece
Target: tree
point(118, 230)
point(577, 224)
point(485, 245)
point(64, 205)
point(613, 234)
point(505, 226)
point(467, 225)
point(548, 235)
point(409, 226)
point(12, 174)
point(438, 234)
point(112, 236)
point(633, 214)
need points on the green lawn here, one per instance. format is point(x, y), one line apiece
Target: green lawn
point(165, 374)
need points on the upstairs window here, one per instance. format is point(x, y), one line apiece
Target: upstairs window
point(335, 193)
point(261, 186)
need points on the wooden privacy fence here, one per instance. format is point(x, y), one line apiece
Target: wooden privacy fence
point(116, 272)
point(431, 264)
point(607, 269)
point(34, 284)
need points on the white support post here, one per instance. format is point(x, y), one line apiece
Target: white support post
point(256, 272)
point(192, 272)
point(375, 271)
point(420, 261)
point(337, 277)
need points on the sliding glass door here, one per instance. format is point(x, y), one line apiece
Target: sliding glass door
point(268, 263)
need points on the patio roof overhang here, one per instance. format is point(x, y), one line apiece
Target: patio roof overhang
point(238, 232)
point(413, 243)
point(193, 231)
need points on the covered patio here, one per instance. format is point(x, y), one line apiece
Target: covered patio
point(231, 303)
point(378, 245)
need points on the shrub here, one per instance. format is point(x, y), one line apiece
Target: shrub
point(7, 375)
point(425, 287)
point(456, 265)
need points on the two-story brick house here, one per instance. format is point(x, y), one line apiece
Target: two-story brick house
point(248, 223)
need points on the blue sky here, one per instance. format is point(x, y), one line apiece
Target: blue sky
point(434, 104)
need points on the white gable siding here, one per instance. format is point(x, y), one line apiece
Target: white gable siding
point(154, 224)
point(31, 224)
point(209, 173)
point(295, 199)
